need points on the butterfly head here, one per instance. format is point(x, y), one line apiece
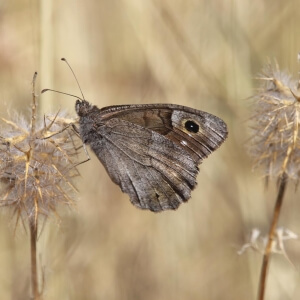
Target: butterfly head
point(82, 107)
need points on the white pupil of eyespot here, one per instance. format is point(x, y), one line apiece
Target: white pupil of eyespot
point(184, 143)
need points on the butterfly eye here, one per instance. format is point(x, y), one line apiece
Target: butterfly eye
point(191, 126)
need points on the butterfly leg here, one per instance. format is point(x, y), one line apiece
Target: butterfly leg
point(86, 160)
point(60, 131)
point(83, 145)
point(75, 129)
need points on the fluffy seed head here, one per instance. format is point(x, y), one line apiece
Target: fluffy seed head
point(275, 144)
point(38, 165)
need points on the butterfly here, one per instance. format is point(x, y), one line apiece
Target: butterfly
point(151, 151)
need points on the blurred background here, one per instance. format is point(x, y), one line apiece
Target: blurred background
point(203, 54)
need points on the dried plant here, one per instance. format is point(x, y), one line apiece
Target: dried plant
point(38, 165)
point(275, 145)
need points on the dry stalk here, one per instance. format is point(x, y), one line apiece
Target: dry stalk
point(38, 166)
point(275, 145)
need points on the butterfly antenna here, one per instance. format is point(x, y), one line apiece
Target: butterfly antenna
point(45, 90)
point(63, 59)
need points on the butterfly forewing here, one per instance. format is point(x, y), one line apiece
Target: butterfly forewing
point(170, 119)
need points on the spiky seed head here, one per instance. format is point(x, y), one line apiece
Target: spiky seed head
point(275, 143)
point(37, 168)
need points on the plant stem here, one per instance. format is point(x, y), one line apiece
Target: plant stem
point(268, 249)
point(34, 273)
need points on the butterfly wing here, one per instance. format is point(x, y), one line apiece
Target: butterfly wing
point(151, 151)
point(155, 172)
point(172, 121)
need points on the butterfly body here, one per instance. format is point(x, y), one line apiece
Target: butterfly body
point(152, 151)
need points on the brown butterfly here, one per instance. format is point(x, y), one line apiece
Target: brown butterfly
point(152, 151)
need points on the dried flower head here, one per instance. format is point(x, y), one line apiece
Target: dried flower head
point(275, 144)
point(38, 164)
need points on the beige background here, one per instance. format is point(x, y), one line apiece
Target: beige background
point(203, 54)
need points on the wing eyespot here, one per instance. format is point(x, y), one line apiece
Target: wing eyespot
point(191, 126)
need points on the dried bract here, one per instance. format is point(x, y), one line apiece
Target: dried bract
point(275, 145)
point(38, 165)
